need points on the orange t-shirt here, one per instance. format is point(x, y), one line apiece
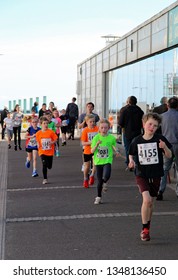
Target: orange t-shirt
point(87, 135)
point(44, 139)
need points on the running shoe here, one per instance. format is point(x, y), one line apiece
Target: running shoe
point(97, 200)
point(27, 163)
point(105, 187)
point(85, 184)
point(144, 235)
point(34, 174)
point(91, 180)
point(45, 181)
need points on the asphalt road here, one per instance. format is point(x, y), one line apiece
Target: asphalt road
point(59, 221)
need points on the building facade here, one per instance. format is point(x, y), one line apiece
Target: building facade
point(143, 63)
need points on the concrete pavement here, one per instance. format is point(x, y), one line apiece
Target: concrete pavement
point(60, 221)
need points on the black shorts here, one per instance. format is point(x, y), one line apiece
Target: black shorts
point(30, 150)
point(150, 185)
point(87, 157)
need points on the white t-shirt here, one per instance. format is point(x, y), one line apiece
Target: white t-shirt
point(9, 123)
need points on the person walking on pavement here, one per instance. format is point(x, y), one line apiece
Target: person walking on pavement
point(169, 129)
point(131, 121)
point(46, 139)
point(161, 109)
point(103, 145)
point(72, 112)
point(8, 125)
point(89, 110)
point(3, 116)
point(146, 156)
point(17, 118)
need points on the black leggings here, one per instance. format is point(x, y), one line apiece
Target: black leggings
point(17, 131)
point(47, 162)
point(103, 174)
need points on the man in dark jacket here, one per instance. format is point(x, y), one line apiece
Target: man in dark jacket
point(72, 113)
point(131, 122)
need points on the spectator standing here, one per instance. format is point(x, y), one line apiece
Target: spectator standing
point(35, 107)
point(131, 121)
point(72, 112)
point(3, 116)
point(17, 118)
point(170, 131)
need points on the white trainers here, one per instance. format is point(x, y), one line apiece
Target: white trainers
point(45, 181)
point(105, 187)
point(97, 200)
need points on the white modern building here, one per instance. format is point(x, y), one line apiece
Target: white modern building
point(143, 63)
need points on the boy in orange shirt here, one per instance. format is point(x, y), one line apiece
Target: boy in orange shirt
point(87, 135)
point(46, 139)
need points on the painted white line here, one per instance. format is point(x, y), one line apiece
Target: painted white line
point(63, 187)
point(84, 216)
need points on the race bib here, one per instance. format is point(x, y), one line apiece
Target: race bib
point(46, 144)
point(148, 153)
point(32, 142)
point(91, 135)
point(103, 152)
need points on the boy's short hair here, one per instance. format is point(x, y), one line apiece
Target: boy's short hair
point(104, 121)
point(90, 103)
point(43, 119)
point(88, 117)
point(154, 116)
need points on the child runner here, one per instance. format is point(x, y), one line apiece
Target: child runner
point(46, 139)
point(31, 145)
point(52, 126)
point(103, 145)
point(8, 124)
point(56, 119)
point(146, 156)
point(87, 135)
point(64, 126)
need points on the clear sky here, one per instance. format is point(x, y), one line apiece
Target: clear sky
point(42, 41)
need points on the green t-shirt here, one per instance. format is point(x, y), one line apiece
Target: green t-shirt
point(52, 126)
point(104, 153)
